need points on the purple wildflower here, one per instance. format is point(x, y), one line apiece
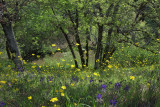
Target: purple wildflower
point(117, 85)
point(99, 96)
point(113, 101)
point(126, 88)
point(103, 86)
point(100, 80)
point(75, 78)
point(2, 104)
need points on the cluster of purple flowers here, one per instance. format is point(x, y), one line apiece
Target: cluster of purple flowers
point(113, 101)
point(75, 78)
point(2, 104)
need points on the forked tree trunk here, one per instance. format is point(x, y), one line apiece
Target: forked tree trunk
point(78, 40)
point(70, 47)
point(99, 46)
point(12, 45)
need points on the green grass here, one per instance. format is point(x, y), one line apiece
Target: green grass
point(44, 81)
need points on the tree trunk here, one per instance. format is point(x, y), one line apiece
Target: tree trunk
point(12, 45)
point(107, 47)
point(70, 47)
point(87, 50)
point(78, 40)
point(99, 46)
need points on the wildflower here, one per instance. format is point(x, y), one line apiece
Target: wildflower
point(62, 94)
point(95, 73)
point(58, 49)
point(3, 82)
point(63, 60)
point(33, 54)
point(2, 104)
point(136, 44)
point(33, 67)
point(43, 106)
point(100, 80)
point(72, 84)
point(30, 97)
point(75, 78)
point(38, 56)
point(63, 87)
point(103, 86)
point(97, 60)
point(126, 88)
point(55, 105)
point(72, 66)
point(148, 85)
point(132, 77)
point(53, 45)
point(117, 85)
point(158, 39)
point(54, 99)
point(109, 66)
point(75, 104)
point(0, 53)
point(99, 98)
point(110, 82)
point(77, 44)
point(113, 102)
point(61, 90)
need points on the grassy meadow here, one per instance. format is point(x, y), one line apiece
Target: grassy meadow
point(132, 79)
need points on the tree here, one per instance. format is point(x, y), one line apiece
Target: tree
point(6, 19)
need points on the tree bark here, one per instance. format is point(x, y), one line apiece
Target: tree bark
point(12, 45)
point(99, 46)
point(87, 50)
point(70, 47)
point(78, 40)
point(107, 47)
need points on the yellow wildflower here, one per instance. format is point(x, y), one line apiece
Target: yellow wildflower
point(148, 84)
point(33, 66)
point(33, 54)
point(75, 104)
point(72, 84)
point(3, 82)
point(58, 49)
point(61, 90)
point(54, 99)
point(63, 60)
point(72, 66)
point(77, 44)
point(0, 53)
point(95, 73)
point(30, 97)
point(63, 87)
point(53, 45)
point(132, 77)
point(109, 66)
point(62, 94)
point(38, 56)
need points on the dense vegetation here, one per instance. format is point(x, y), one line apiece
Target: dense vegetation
point(84, 53)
